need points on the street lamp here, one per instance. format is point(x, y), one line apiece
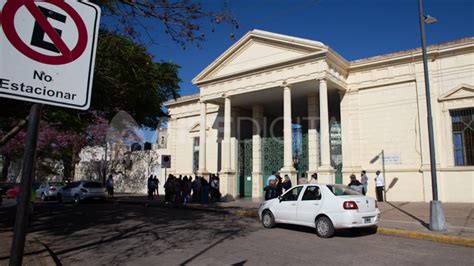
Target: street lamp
point(437, 219)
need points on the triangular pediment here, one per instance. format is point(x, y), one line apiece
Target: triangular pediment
point(196, 127)
point(256, 50)
point(460, 92)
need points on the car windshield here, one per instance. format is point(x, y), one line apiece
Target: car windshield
point(341, 190)
point(92, 185)
point(57, 184)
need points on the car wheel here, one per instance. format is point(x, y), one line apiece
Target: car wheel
point(324, 227)
point(43, 197)
point(60, 198)
point(268, 220)
point(76, 199)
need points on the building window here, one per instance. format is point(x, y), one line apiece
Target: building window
point(195, 154)
point(463, 136)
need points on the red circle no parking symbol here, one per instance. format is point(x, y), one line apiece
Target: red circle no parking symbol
point(67, 55)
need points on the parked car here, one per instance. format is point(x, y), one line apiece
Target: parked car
point(12, 192)
point(48, 190)
point(324, 207)
point(81, 191)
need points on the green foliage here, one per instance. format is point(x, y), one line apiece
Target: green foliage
point(127, 79)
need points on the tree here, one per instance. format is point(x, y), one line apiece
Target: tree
point(184, 21)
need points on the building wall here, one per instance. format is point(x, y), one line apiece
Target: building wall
point(385, 109)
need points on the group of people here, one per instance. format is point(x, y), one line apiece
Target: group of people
point(361, 186)
point(276, 185)
point(152, 185)
point(184, 189)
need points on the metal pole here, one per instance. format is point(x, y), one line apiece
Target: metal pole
point(437, 221)
point(21, 219)
point(384, 198)
point(105, 164)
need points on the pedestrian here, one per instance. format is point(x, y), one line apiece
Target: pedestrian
point(186, 189)
point(355, 184)
point(168, 188)
point(204, 191)
point(279, 186)
point(379, 186)
point(364, 179)
point(157, 182)
point(109, 185)
point(287, 183)
point(151, 187)
point(314, 178)
point(215, 189)
point(197, 189)
point(271, 178)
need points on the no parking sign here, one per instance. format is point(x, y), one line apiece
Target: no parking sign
point(47, 51)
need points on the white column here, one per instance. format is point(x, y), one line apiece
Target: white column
point(226, 157)
point(287, 132)
point(257, 182)
point(313, 134)
point(288, 168)
point(324, 111)
point(202, 138)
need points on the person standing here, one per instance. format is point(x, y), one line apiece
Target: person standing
point(151, 187)
point(271, 178)
point(157, 182)
point(364, 179)
point(379, 185)
point(287, 183)
point(109, 184)
point(356, 185)
point(314, 179)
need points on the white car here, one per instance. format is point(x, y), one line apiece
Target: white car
point(321, 206)
point(48, 190)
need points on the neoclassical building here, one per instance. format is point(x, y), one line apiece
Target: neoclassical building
point(273, 102)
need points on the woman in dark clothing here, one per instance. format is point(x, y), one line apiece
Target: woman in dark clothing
point(279, 186)
point(286, 183)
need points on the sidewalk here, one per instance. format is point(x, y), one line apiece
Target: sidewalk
point(409, 219)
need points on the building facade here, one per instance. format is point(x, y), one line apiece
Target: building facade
point(273, 102)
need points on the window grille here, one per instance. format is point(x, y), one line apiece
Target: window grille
point(463, 136)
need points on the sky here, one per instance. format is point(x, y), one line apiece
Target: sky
point(354, 28)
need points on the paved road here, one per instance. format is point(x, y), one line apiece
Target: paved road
point(98, 234)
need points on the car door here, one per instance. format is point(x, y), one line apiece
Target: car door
point(309, 205)
point(285, 209)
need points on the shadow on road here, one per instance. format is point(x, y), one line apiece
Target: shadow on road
point(117, 233)
point(343, 233)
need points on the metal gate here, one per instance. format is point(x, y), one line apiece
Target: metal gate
point(244, 184)
point(272, 156)
point(301, 161)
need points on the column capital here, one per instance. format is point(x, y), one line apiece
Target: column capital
point(322, 79)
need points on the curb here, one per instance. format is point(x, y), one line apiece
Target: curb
point(460, 241)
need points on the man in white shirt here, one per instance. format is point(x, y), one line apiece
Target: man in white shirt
point(379, 185)
point(270, 178)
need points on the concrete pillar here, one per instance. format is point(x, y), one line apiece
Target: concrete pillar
point(202, 139)
point(288, 168)
point(226, 156)
point(326, 172)
point(227, 175)
point(313, 134)
point(257, 181)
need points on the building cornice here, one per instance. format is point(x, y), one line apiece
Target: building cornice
point(434, 51)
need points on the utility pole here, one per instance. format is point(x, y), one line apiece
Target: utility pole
point(437, 219)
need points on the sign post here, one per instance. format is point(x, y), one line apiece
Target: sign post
point(27, 172)
point(47, 57)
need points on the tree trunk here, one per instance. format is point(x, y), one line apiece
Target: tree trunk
point(12, 133)
point(6, 166)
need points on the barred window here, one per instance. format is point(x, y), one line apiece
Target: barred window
point(463, 136)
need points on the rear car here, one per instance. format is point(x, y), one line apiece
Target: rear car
point(81, 191)
point(48, 190)
point(323, 207)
